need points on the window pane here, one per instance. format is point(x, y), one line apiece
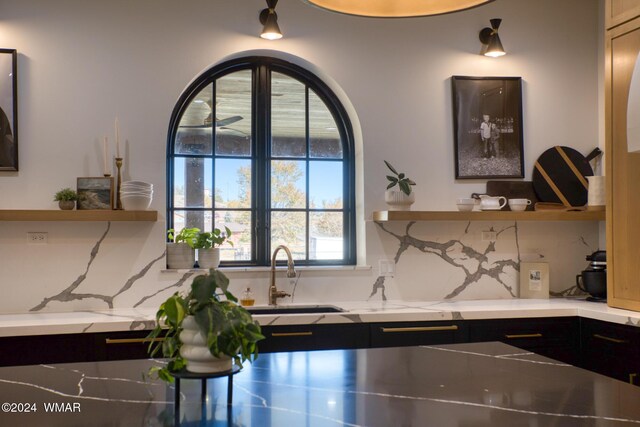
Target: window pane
point(193, 141)
point(325, 235)
point(288, 184)
point(288, 119)
point(194, 132)
point(191, 182)
point(324, 138)
point(190, 219)
point(239, 222)
point(233, 114)
point(289, 228)
point(325, 185)
point(233, 183)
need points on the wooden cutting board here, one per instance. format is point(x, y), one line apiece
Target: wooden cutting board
point(513, 190)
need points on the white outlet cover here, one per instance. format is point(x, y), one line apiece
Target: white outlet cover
point(37, 237)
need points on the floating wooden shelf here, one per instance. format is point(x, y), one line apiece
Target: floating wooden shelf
point(383, 216)
point(82, 215)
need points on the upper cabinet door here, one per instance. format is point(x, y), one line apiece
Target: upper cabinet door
point(620, 11)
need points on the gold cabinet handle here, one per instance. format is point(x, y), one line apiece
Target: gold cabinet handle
point(615, 340)
point(632, 378)
point(291, 334)
point(516, 336)
point(132, 340)
point(421, 329)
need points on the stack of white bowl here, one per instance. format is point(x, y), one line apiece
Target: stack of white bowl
point(136, 195)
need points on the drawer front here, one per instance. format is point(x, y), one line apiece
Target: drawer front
point(44, 349)
point(123, 345)
point(527, 333)
point(400, 334)
point(314, 337)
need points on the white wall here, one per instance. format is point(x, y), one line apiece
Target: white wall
point(82, 63)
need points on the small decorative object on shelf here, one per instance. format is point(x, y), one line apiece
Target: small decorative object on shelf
point(95, 193)
point(208, 246)
point(180, 248)
point(66, 199)
point(119, 167)
point(402, 199)
point(209, 315)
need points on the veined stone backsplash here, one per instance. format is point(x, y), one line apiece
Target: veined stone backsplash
point(94, 266)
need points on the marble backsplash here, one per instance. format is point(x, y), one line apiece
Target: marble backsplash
point(101, 265)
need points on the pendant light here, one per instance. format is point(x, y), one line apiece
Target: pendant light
point(269, 19)
point(396, 8)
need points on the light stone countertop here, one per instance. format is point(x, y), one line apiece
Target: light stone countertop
point(356, 312)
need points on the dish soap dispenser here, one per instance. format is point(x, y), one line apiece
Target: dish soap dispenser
point(247, 300)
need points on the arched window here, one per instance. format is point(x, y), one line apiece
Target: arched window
point(265, 148)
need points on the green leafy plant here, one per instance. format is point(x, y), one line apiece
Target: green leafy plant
point(228, 327)
point(399, 179)
point(186, 235)
point(212, 239)
point(65, 195)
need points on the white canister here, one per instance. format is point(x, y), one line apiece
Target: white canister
point(596, 195)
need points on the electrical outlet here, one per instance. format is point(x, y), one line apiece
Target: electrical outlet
point(37, 237)
point(489, 236)
point(387, 267)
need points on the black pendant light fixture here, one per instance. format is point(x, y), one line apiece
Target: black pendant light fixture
point(491, 44)
point(269, 20)
point(396, 8)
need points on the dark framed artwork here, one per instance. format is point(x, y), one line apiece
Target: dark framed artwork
point(95, 193)
point(487, 127)
point(8, 110)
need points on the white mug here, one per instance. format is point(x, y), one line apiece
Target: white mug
point(519, 204)
point(492, 203)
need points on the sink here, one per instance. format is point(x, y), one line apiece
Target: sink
point(294, 309)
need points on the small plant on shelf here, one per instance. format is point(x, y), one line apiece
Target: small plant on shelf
point(66, 198)
point(399, 179)
point(212, 239)
point(403, 199)
point(211, 310)
point(186, 235)
point(180, 248)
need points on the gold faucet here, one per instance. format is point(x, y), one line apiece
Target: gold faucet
point(274, 293)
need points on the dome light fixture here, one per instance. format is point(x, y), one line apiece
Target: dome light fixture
point(269, 20)
point(491, 44)
point(396, 8)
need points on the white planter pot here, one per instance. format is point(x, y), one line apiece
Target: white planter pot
point(195, 351)
point(180, 255)
point(209, 258)
point(398, 201)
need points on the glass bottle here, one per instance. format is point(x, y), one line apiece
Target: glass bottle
point(247, 300)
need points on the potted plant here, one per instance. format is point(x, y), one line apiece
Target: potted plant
point(401, 198)
point(180, 248)
point(66, 199)
point(208, 246)
point(205, 330)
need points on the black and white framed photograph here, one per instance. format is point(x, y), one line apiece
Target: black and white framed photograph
point(8, 110)
point(487, 127)
point(95, 193)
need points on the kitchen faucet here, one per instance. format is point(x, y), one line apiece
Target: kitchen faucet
point(274, 293)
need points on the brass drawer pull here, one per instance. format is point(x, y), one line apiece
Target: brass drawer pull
point(615, 340)
point(516, 336)
point(291, 334)
point(132, 340)
point(422, 329)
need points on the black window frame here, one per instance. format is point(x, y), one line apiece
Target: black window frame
point(261, 153)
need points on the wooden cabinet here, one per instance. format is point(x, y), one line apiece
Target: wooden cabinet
point(620, 11)
point(611, 349)
point(314, 337)
point(554, 337)
point(623, 171)
point(398, 334)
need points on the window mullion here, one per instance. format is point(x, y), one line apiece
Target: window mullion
point(262, 166)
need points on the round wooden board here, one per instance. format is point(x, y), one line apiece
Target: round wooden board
point(559, 176)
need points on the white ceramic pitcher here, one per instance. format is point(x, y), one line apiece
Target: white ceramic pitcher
point(492, 203)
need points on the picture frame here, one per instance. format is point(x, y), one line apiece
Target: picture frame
point(487, 127)
point(95, 193)
point(8, 110)
point(534, 280)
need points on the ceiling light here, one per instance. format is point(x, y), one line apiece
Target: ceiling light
point(491, 44)
point(269, 19)
point(395, 8)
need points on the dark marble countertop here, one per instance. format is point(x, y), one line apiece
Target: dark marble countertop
point(463, 385)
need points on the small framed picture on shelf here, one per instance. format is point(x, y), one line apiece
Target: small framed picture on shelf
point(95, 193)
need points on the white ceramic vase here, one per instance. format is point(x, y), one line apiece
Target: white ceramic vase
point(209, 258)
point(195, 351)
point(398, 201)
point(180, 255)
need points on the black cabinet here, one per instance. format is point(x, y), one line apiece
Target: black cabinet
point(314, 337)
point(398, 334)
point(122, 345)
point(611, 349)
point(43, 349)
point(554, 337)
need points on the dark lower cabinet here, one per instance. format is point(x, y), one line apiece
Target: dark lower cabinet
point(314, 337)
point(398, 334)
point(43, 349)
point(122, 345)
point(611, 349)
point(553, 337)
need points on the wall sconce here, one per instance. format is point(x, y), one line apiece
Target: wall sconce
point(269, 19)
point(395, 8)
point(491, 45)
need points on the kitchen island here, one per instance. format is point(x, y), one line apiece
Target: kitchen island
point(475, 384)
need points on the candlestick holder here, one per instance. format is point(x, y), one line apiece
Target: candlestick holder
point(119, 166)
